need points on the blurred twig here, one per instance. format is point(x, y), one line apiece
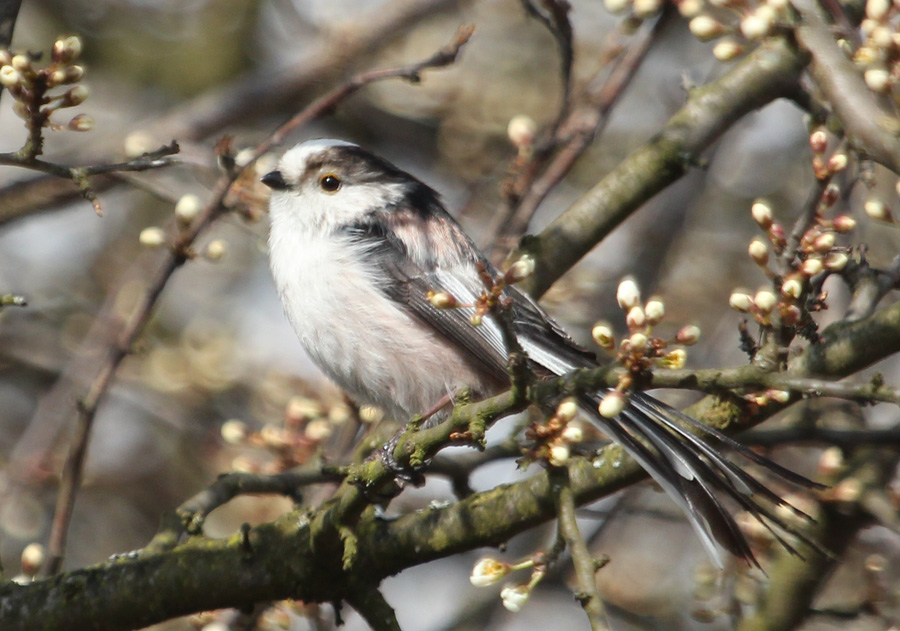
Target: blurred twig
point(570, 139)
point(556, 18)
point(179, 253)
point(257, 94)
point(871, 128)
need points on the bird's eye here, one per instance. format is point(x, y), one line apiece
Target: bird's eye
point(330, 183)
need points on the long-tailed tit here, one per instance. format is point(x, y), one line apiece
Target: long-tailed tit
point(355, 246)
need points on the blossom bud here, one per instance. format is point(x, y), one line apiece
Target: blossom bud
point(152, 237)
point(521, 131)
point(66, 50)
point(818, 142)
point(75, 96)
point(637, 342)
point(762, 214)
point(32, 559)
point(843, 223)
point(604, 337)
point(627, 294)
point(612, 404)
point(441, 300)
point(759, 251)
point(215, 250)
point(655, 310)
point(877, 79)
point(514, 597)
point(811, 266)
point(674, 359)
point(727, 50)
point(792, 287)
point(572, 434)
point(635, 318)
point(82, 122)
point(824, 242)
point(877, 9)
point(688, 335)
point(520, 270)
point(9, 76)
point(779, 396)
point(876, 209)
point(567, 410)
point(21, 63)
point(559, 455)
point(616, 6)
point(187, 209)
point(740, 301)
point(690, 8)
point(837, 163)
point(705, 28)
point(234, 432)
point(836, 261)
point(488, 571)
point(831, 462)
point(646, 8)
point(765, 300)
point(755, 26)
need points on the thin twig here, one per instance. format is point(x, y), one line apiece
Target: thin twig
point(178, 255)
point(574, 135)
point(584, 563)
point(556, 19)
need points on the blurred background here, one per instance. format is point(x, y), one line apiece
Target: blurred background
point(218, 351)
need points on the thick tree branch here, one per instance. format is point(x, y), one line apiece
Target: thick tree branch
point(768, 73)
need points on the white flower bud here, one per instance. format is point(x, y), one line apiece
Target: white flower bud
point(612, 404)
point(818, 141)
point(690, 8)
point(318, 430)
point(638, 341)
point(759, 251)
point(836, 261)
point(877, 9)
point(779, 396)
point(152, 237)
point(215, 250)
point(811, 266)
point(75, 96)
point(740, 301)
point(762, 214)
point(66, 50)
point(843, 223)
point(831, 462)
point(688, 335)
point(82, 122)
point(572, 434)
point(521, 131)
point(21, 62)
point(655, 310)
point(514, 597)
point(792, 287)
point(646, 8)
point(32, 559)
point(9, 76)
point(824, 242)
point(187, 208)
point(559, 455)
point(727, 50)
point(521, 269)
point(877, 79)
point(876, 209)
point(488, 571)
point(755, 26)
point(441, 300)
point(705, 28)
point(234, 432)
point(635, 318)
point(765, 300)
point(616, 6)
point(674, 359)
point(567, 410)
point(603, 335)
point(627, 294)
point(137, 143)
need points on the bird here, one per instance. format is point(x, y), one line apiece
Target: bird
point(358, 247)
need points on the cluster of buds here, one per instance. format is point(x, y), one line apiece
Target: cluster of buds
point(492, 297)
point(31, 86)
point(736, 24)
point(640, 350)
point(552, 440)
point(307, 424)
point(488, 571)
point(879, 55)
point(817, 252)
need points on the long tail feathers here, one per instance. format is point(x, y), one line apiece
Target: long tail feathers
point(693, 472)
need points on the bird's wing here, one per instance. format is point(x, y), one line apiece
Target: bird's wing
point(688, 468)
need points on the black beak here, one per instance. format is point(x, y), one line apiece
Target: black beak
point(275, 181)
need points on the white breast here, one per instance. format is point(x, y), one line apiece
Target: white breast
point(356, 335)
